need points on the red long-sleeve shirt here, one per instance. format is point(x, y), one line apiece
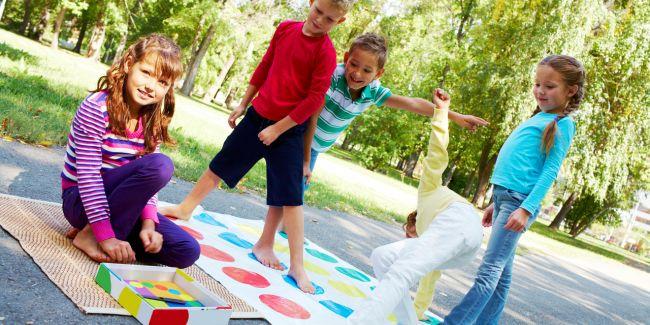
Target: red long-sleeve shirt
point(294, 74)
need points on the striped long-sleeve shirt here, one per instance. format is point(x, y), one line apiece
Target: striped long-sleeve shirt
point(92, 150)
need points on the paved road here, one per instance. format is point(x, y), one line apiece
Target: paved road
point(545, 289)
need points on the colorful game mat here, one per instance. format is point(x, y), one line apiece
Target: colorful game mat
point(226, 242)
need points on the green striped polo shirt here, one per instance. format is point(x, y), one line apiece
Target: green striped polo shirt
point(340, 109)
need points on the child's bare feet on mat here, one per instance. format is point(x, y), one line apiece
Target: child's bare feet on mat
point(267, 257)
point(175, 211)
point(72, 233)
point(85, 241)
point(302, 280)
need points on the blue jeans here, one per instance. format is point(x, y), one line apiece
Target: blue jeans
point(484, 302)
point(312, 163)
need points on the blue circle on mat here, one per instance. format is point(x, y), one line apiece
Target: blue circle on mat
point(174, 292)
point(252, 256)
point(321, 255)
point(235, 240)
point(337, 308)
point(284, 235)
point(352, 273)
point(206, 218)
point(318, 290)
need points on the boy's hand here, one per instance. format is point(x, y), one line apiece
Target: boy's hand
point(306, 172)
point(269, 134)
point(441, 99)
point(517, 220)
point(487, 216)
point(235, 114)
point(120, 251)
point(470, 122)
point(151, 239)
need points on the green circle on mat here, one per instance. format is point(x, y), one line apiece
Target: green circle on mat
point(352, 273)
point(135, 284)
point(321, 255)
point(147, 284)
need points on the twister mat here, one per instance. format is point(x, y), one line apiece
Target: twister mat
point(226, 242)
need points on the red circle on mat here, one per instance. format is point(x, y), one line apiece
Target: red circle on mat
point(285, 306)
point(192, 232)
point(246, 277)
point(216, 254)
point(161, 287)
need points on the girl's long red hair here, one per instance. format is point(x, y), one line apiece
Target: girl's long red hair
point(155, 117)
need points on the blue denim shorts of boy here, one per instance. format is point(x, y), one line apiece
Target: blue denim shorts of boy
point(284, 159)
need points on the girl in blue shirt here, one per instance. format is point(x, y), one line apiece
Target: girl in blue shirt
point(526, 167)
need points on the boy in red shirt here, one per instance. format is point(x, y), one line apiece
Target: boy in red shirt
point(290, 83)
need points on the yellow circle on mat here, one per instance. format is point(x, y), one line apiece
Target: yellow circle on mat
point(347, 289)
point(185, 297)
point(249, 229)
point(309, 266)
point(136, 284)
point(280, 248)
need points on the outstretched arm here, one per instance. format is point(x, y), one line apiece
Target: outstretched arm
point(424, 107)
point(436, 160)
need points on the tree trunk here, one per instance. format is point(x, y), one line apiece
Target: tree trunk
point(42, 22)
point(57, 28)
point(561, 215)
point(486, 163)
point(469, 185)
point(230, 97)
point(2, 8)
point(195, 61)
point(347, 142)
point(411, 162)
point(82, 32)
point(129, 22)
point(214, 89)
point(97, 38)
point(197, 35)
point(26, 15)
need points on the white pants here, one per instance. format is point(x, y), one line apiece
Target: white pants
point(452, 240)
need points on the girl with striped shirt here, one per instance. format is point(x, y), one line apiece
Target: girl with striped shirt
point(113, 168)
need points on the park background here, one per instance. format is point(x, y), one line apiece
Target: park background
point(484, 52)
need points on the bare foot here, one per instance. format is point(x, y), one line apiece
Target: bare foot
point(175, 211)
point(302, 280)
point(266, 256)
point(72, 233)
point(85, 241)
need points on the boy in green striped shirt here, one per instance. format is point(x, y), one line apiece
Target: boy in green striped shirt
point(355, 87)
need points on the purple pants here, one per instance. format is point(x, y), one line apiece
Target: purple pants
point(128, 188)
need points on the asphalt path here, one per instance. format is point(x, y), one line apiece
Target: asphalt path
point(545, 289)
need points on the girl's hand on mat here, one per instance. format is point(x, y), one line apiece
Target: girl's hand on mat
point(517, 220)
point(306, 172)
point(487, 216)
point(120, 251)
point(151, 240)
point(236, 113)
point(470, 122)
point(268, 135)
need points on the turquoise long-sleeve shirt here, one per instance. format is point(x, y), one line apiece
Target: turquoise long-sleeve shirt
point(524, 166)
